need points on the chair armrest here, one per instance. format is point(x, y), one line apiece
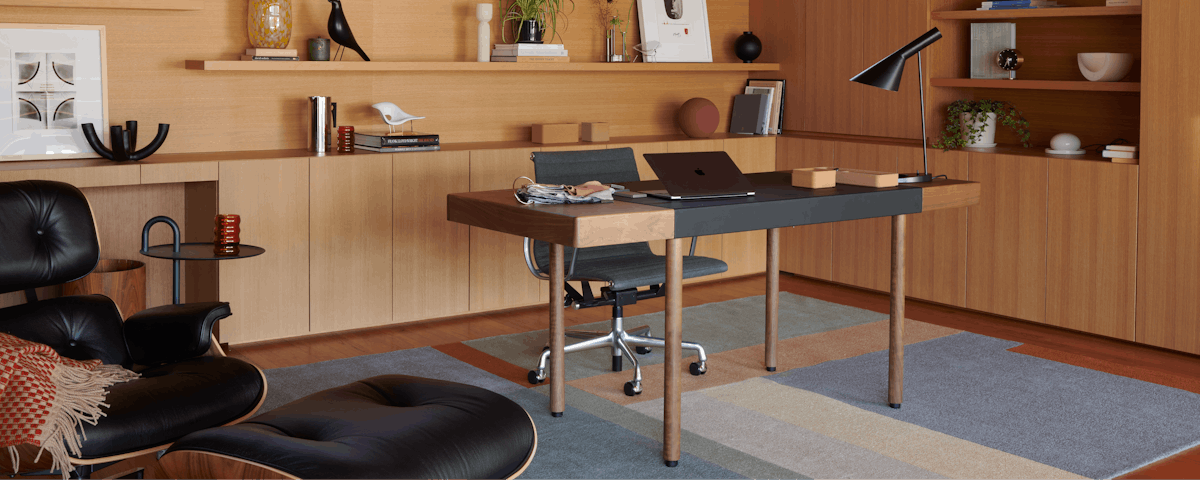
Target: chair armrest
point(172, 333)
point(529, 262)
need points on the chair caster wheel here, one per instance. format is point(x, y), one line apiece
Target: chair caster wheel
point(642, 350)
point(631, 389)
point(697, 369)
point(533, 378)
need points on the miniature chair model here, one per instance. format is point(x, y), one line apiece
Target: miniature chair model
point(48, 237)
point(393, 115)
point(624, 267)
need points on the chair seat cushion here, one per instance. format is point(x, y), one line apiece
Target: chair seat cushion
point(170, 401)
point(391, 426)
point(633, 271)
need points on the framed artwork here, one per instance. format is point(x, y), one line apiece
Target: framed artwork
point(52, 82)
point(677, 29)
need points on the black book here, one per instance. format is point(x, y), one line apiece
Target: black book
point(397, 139)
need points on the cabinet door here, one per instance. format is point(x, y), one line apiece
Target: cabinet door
point(269, 293)
point(499, 278)
point(936, 242)
point(806, 250)
point(746, 252)
point(1092, 247)
point(1006, 237)
point(833, 48)
point(862, 249)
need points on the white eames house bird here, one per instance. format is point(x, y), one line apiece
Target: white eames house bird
point(393, 115)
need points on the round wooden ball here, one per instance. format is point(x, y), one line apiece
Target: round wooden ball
point(698, 118)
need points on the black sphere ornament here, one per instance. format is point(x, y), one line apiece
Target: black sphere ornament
point(124, 142)
point(747, 47)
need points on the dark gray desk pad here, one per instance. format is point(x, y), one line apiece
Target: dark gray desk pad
point(777, 204)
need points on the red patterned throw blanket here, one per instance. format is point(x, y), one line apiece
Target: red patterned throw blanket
point(44, 398)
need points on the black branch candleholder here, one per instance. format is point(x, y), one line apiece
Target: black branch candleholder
point(124, 142)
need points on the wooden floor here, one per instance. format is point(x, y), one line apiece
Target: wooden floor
point(378, 340)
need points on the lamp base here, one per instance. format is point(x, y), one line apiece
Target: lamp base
point(915, 178)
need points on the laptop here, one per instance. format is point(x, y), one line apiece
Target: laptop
point(699, 175)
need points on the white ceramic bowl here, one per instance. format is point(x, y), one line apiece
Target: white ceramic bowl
point(1105, 67)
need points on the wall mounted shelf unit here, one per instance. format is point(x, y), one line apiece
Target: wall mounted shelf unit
point(1036, 13)
point(1039, 85)
point(285, 66)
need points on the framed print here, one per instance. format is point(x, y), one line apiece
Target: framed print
point(52, 82)
point(680, 28)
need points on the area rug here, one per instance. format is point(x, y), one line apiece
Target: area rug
point(973, 408)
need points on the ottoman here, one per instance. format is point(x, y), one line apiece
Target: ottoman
point(391, 426)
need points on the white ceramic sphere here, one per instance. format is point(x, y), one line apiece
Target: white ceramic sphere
point(1065, 142)
point(483, 12)
point(1105, 67)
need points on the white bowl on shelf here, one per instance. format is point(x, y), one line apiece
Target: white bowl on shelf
point(1105, 67)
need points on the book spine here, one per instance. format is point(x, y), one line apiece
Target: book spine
point(532, 59)
point(271, 52)
point(426, 148)
point(410, 141)
point(529, 53)
point(529, 46)
point(286, 59)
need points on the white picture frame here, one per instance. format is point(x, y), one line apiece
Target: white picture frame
point(682, 34)
point(53, 80)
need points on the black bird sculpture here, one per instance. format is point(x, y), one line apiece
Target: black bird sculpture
point(339, 30)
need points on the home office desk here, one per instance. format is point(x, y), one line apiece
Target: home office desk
point(776, 204)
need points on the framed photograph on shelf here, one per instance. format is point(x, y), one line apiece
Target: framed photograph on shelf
point(678, 28)
point(52, 82)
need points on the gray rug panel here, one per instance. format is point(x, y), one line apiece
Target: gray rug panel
point(1092, 423)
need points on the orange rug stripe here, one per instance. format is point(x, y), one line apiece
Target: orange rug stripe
point(487, 363)
point(1189, 384)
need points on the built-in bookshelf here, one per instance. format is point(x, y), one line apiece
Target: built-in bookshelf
point(302, 66)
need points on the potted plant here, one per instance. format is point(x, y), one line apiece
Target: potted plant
point(972, 123)
point(534, 18)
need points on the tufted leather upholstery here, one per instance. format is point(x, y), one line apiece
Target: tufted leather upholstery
point(47, 236)
point(391, 426)
point(82, 327)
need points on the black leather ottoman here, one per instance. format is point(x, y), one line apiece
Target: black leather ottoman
point(391, 426)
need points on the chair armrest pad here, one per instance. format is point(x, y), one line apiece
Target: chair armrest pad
point(172, 333)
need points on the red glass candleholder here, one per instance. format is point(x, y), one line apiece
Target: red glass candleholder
point(345, 142)
point(227, 235)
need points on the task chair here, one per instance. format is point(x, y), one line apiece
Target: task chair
point(48, 237)
point(625, 268)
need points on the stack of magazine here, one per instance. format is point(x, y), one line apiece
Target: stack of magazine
point(397, 142)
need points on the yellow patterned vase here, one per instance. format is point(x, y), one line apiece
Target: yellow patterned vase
point(270, 23)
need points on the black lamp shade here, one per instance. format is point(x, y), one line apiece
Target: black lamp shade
point(887, 72)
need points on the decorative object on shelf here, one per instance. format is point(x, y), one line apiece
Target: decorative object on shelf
point(886, 75)
point(345, 139)
point(778, 92)
point(124, 142)
point(339, 31)
point(483, 13)
point(987, 40)
point(123, 281)
point(556, 133)
point(815, 177)
point(698, 118)
point(322, 121)
point(751, 114)
point(1121, 153)
point(269, 23)
point(318, 49)
point(393, 115)
point(272, 54)
point(747, 47)
point(1065, 144)
point(228, 235)
point(1010, 59)
point(1105, 67)
point(680, 27)
point(609, 15)
point(176, 251)
point(647, 51)
point(53, 82)
point(968, 122)
point(534, 18)
point(595, 132)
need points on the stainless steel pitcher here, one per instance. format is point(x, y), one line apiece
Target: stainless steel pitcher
point(322, 122)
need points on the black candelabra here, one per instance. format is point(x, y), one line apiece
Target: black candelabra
point(124, 142)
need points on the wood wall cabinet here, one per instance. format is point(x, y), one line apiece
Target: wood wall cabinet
point(350, 249)
point(936, 245)
point(499, 278)
point(862, 248)
point(1006, 236)
point(806, 250)
point(270, 292)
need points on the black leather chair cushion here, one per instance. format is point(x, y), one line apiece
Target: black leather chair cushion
point(47, 236)
point(81, 327)
point(172, 400)
point(391, 426)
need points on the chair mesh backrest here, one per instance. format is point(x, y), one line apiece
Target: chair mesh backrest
point(616, 165)
point(47, 236)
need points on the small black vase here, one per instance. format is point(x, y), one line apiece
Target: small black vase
point(747, 47)
point(530, 32)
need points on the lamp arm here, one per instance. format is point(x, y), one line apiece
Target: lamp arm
point(924, 137)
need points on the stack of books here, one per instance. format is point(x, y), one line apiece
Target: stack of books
point(1018, 4)
point(530, 53)
point(397, 142)
point(1121, 153)
point(271, 54)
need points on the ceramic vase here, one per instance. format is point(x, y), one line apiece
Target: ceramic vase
point(269, 23)
point(747, 47)
point(985, 139)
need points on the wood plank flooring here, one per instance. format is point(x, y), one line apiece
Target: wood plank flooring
point(331, 346)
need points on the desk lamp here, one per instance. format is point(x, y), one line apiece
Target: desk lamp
point(886, 75)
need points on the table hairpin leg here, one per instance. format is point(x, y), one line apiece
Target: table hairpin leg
point(174, 262)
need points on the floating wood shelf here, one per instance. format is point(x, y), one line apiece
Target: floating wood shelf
point(1083, 86)
point(176, 5)
point(285, 66)
point(1037, 13)
point(1040, 151)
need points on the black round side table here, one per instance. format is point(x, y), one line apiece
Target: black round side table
point(187, 251)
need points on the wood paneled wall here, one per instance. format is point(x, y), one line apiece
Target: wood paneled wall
point(229, 111)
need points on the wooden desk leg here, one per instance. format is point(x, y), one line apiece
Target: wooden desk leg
point(558, 339)
point(896, 340)
point(772, 338)
point(673, 334)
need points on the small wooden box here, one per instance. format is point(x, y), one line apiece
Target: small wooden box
point(556, 133)
point(595, 132)
point(866, 178)
point(817, 177)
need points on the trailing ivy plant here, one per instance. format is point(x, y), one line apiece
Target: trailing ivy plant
point(959, 134)
point(545, 12)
